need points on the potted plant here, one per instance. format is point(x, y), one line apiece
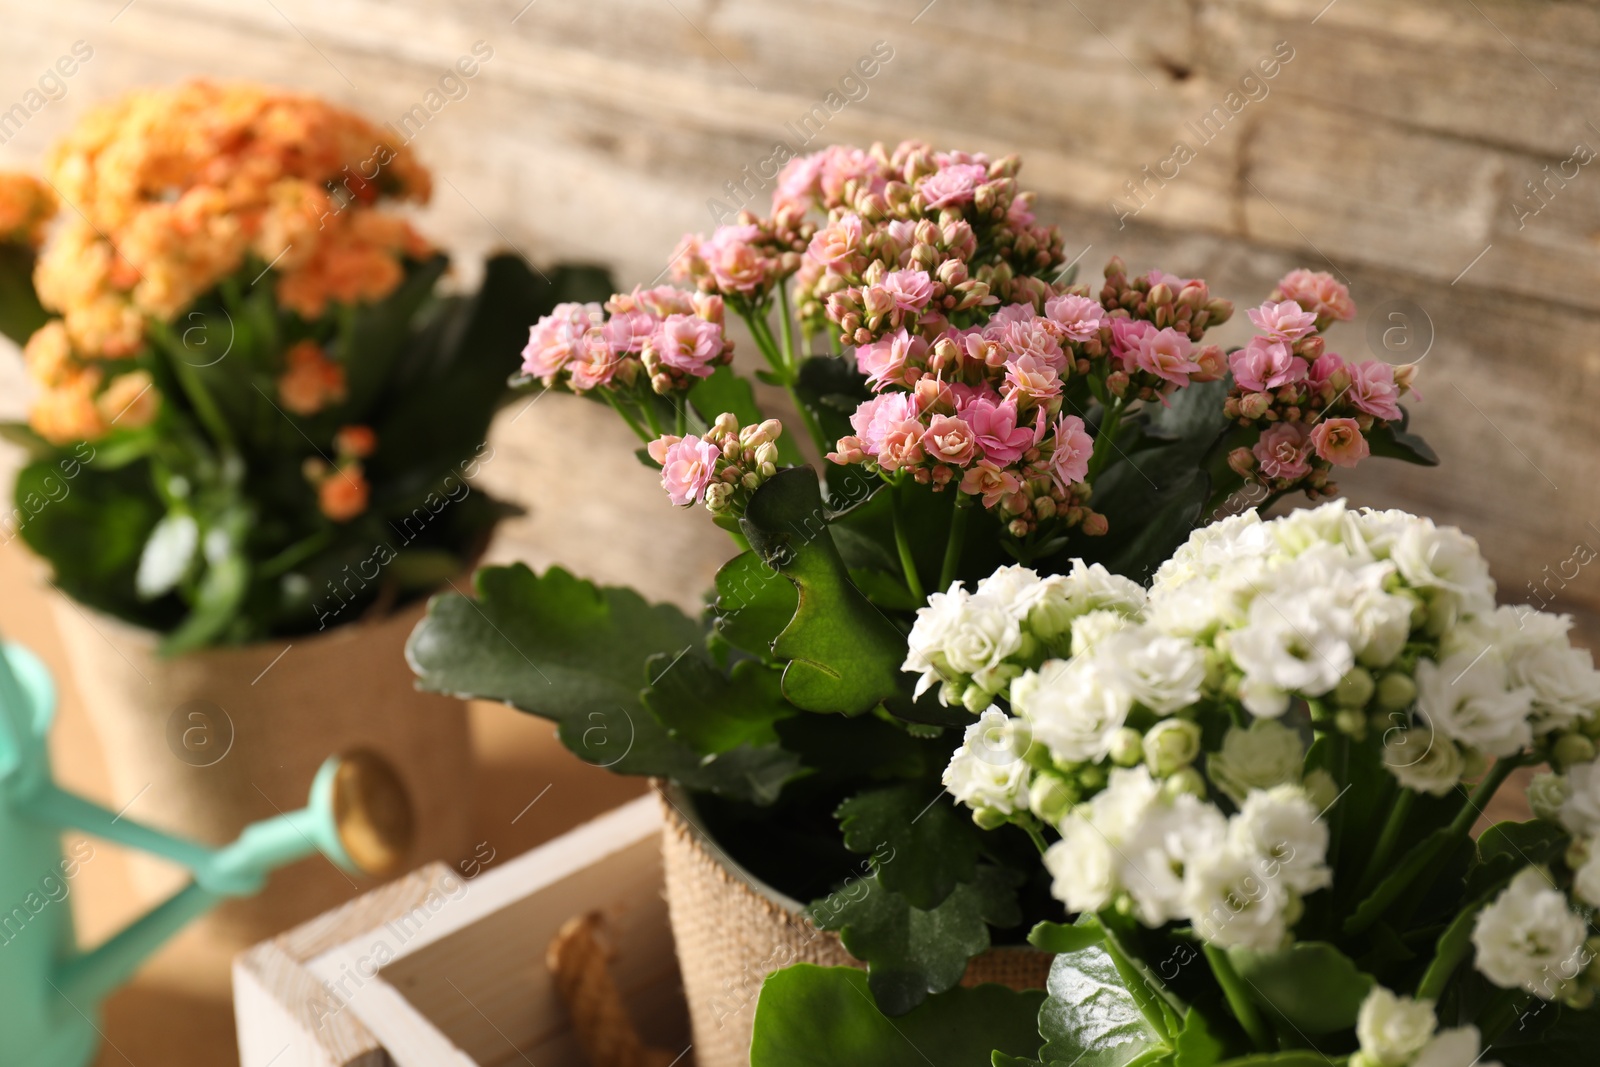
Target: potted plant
point(251, 449)
point(974, 404)
point(1259, 782)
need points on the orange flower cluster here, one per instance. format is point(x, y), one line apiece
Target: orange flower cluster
point(26, 205)
point(72, 405)
point(174, 188)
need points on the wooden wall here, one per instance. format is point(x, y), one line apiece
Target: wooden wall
point(1392, 145)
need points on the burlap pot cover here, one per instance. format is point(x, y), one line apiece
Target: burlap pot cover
point(205, 743)
point(732, 930)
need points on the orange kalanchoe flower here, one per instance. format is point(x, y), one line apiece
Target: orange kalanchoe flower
point(26, 205)
point(357, 441)
point(342, 494)
point(311, 381)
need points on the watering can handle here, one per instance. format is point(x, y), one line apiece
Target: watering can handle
point(26, 691)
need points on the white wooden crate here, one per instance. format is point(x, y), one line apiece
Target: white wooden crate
point(435, 969)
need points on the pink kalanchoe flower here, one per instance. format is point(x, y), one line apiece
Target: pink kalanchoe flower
point(909, 290)
point(1069, 462)
point(1372, 389)
point(1031, 378)
point(1340, 442)
point(952, 186)
point(1317, 292)
point(687, 466)
point(659, 302)
point(735, 265)
point(1125, 337)
point(1283, 450)
point(1031, 337)
point(1078, 317)
point(843, 163)
point(989, 480)
point(1326, 366)
point(1283, 321)
point(1262, 365)
point(1167, 354)
point(994, 425)
point(1012, 313)
point(688, 344)
point(964, 395)
point(554, 339)
point(797, 185)
point(884, 362)
point(902, 446)
point(949, 440)
point(594, 363)
point(835, 245)
point(875, 418)
point(627, 331)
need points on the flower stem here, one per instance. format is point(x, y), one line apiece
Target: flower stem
point(903, 546)
point(1387, 840)
point(1036, 835)
point(788, 330)
point(958, 537)
point(1105, 438)
point(627, 417)
point(1238, 998)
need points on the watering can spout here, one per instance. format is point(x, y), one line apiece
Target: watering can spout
point(358, 816)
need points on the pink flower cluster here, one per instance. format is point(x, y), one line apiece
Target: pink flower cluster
point(742, 261)
point(1314, 408)
point(665, 336)
point(720, 469)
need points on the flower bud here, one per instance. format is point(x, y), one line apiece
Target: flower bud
point(1473, 764)
point(1254, 405)
point(1092, 776)
point(990, 818)
point(1321, 789)
point(1396, 692)
point(1188, 780)
point(1170, 746)
point(1571, 749)
point(1051, 797)
point(767, 455)
point(1351, 722)
point(1242, 462)
point(1442, 616)
point(1094, 524)
point(1126, 747)
point(1546, 794)
point(1354, 689)
point(1160, 294)
point(751, 480)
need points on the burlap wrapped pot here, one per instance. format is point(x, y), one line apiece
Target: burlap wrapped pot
point(732, 930)
point(205, 743)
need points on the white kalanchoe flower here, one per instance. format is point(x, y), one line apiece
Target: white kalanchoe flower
point(1083, 866)
point(1422, 759)
point(1393, 1029)
point(1580, 811)
point(1546, 795)
point(1445, 562)
point(1539, 656)
point(1383, 619)
point(1295, 641)
point(1090, 587)
point(1158, 854)
point(1232, 903)
point(1467, 698)
point(1285, 830)
point(1586, 882)
point(964, 640)
point(1529, 938)
point(1458, 1047)
point(1162, 673)
point(1072, 710)
point(1266, 755)
point(1092, 627)
point(988, 772)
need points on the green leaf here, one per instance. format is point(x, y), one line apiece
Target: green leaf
point(922, 848)
point(910, 952)
point(1394, 441)
point(844, 654)
point(832, 388)
point(884, 589)
point(713, 712)
point(1311, 984)
point(811, 1016)
point(726, 391)
point(1292, 1058)
point(1195, 1047)
point(20, 311)
point(1416, 860)
point(754, 603)
point(1090, 1018)
point(1059, 937)
point(1507, 847)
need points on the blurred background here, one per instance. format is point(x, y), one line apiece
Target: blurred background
point(1439, 156)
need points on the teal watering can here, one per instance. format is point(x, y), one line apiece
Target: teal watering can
point(50, 993)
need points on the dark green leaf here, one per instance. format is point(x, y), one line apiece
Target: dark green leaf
point(1311, 984)
point(1396, 442)
point(832, 388)
point(922, 846)
point(754, 603)
point(20, 311)
point(909, 952)
point(1507, 847)
point(713, 712)
point(844, 653)
point(1195, 1047)
point(1059, 937)
point(811, 1016)
point(1090, 1018)
point(1292, 1058)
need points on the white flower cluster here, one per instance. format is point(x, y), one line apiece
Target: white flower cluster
point(1401, 1032)
point(974, 643)
point(1238, 881)
point(1138, 722)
